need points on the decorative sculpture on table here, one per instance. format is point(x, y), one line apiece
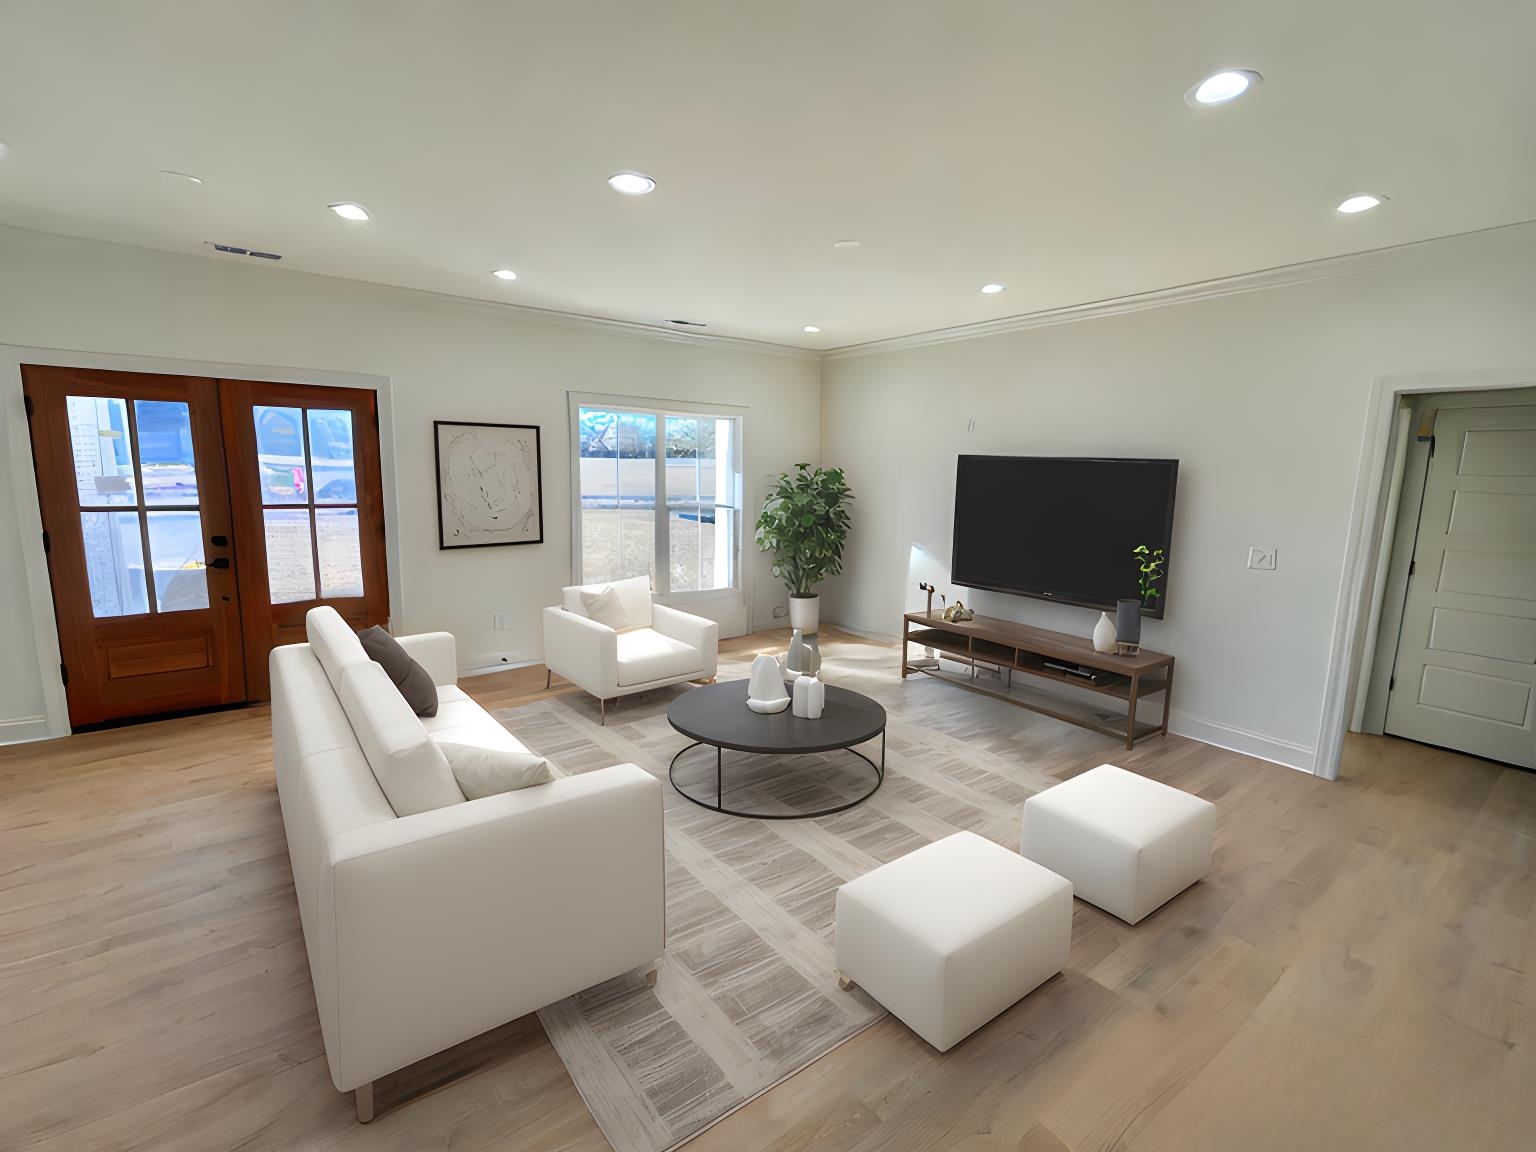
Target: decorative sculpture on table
point(765, 687)
point(809, 698)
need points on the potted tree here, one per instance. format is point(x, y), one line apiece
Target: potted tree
point(804, 523)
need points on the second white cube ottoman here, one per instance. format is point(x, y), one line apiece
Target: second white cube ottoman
point(950, 935)
point(1128, 844)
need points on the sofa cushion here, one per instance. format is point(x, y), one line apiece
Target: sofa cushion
point(606, 608)
point(634, 594)
point(334, 643)
point(413, 681)
point(646, 655)
point(413, 774)
point(460, 720)
point(482, 771)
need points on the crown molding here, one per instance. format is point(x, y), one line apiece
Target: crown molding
point(1284, 276)
point(493, 307)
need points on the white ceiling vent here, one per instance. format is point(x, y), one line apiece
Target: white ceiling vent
point(236, 250)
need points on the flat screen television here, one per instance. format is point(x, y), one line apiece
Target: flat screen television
point(1061, 528)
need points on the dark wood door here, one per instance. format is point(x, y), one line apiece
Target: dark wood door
point(132, 479)
point(308, 510)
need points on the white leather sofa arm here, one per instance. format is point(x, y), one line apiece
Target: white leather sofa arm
point(451, 922)
point(694, 631)
point(583, 651)
point(437, 653)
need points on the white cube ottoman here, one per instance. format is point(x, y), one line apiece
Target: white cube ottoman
point(950, 935)
point(1128, 844)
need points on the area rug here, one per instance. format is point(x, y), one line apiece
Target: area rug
point(746, 993)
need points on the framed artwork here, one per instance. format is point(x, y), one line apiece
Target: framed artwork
point(489, 487)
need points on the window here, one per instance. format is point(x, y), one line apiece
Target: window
point(308, 488)
point(658, 495)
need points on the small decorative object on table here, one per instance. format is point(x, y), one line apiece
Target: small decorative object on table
point(804, 655)
point(1104, 634)
point(765, 688)
point(1149, 567)
point(958, 613)
point(810, 697)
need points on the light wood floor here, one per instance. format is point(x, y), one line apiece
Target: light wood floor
point(1358, 973)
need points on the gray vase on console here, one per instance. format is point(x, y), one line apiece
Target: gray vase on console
point(1128, 626)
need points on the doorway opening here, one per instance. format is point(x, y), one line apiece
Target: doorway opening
point(1450, 659)
point(190, 522)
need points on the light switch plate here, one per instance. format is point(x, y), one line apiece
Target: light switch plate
point(1262, 559)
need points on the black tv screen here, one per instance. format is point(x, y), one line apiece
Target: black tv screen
point(1061, 528)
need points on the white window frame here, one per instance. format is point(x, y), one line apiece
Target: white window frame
point(661, 409)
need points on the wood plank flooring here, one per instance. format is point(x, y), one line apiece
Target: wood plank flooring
point(1359, 972)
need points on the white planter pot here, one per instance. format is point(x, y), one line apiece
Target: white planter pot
point(805, 613)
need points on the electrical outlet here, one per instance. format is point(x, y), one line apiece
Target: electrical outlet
point(499, 622)
point(780, 611)
point(1262, 559)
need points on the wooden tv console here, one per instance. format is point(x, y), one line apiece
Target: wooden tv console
point(1011, 648)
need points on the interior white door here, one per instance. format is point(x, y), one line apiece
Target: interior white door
point(1465, 675)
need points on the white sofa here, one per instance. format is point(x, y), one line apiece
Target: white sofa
point(425, 930)
point(661, 646)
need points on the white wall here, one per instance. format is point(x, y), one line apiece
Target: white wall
point(443, 358)
point(1262, 397)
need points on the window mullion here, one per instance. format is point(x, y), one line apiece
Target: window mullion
point(663, 524)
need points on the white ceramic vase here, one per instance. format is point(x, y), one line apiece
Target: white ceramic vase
point(1104, 634)
point(805, 613)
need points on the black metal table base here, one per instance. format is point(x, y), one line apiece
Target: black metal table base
point(718, 805)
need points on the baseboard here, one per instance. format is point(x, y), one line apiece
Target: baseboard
point(1283, 752)
point(23, 729)
point(499, 666)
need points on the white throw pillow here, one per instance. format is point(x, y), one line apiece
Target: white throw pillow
point(483, 771)
point(606, 608)
point(413, 775)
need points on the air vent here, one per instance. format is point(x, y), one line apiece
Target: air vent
point(236, 250)
point(688, 323)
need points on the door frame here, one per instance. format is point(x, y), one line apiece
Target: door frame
point(18, 445)
point(1358, 628)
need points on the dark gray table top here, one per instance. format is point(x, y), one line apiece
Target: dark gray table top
point(717, 714)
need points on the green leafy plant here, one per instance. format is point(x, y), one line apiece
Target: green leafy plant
point(804, 523)
point(1149, 563)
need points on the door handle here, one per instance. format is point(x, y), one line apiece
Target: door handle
point(219, 541)
point(221, 562)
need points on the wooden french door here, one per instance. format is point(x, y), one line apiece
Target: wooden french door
point(312, 502)
point(190, 523)
point(132, 479)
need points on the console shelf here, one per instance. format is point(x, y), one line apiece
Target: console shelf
point(1009, 647)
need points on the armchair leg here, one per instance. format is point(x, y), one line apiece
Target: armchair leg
point(364, 1096)
point(547, 675)
point(650, 978)
point(602, 711)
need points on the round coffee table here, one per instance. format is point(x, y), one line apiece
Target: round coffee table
point(717, 715)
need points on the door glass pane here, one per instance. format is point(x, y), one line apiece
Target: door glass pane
point(341, 559)
point(176, 554)
point(165, 452)
point(290, 562)
point(114, 563)
point(280, 455)
point(330, 457)
point(102, 446)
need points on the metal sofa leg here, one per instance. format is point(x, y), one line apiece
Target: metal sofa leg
point(364, 1096)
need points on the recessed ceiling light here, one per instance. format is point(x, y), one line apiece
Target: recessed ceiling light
point(180, 176)
point(631, 183)
point(812, 328)
point(1361, 203)
point(845, 243)
point(994, 289)
point(504, 274)
point(1223, 86)
point(349, 211)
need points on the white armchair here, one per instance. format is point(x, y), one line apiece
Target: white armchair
point(656, 647)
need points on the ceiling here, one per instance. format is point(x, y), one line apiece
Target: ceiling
point(1046, 146)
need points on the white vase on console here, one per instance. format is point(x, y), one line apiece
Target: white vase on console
point(1104, 634)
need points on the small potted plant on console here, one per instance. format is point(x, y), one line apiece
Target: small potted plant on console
point(1149, 568)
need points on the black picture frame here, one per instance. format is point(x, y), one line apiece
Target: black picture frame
point(456, 526)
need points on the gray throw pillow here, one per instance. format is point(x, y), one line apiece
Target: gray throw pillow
point(413, 681)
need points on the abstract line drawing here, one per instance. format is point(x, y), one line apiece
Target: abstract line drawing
point(489, 488)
